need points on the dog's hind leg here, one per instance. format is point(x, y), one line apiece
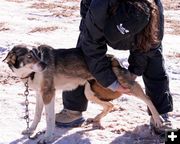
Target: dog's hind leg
point(107, 106)
point(37, 115)
point(139, 93)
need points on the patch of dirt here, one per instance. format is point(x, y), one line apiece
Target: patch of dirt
point(32, 18)
point(17, 1)
point(63, 13)
point(59, 9)
point(171, 4)
point(3, 26)
point(44, 29)
point(173, 55)
point(6, 76)
point(44, 5)
point(171, 25)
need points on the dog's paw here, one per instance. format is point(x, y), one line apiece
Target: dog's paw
point(27, 131)
point(46, 139)
point(90, 120)
point(158, 121)
point(96, 123)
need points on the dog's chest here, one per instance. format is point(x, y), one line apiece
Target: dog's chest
point(35, 83)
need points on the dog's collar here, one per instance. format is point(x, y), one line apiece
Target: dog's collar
point(31, 75)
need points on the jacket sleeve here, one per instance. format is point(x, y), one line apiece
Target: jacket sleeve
point(137, 62)
point(84, 6)
point(161, 24)
point(94, 44)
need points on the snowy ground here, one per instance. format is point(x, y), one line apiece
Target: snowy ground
point(56, 23)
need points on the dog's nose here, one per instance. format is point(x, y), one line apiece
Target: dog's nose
point(5, 60)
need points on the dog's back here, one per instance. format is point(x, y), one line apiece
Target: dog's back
point(69, 62)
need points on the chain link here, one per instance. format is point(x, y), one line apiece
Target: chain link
point(26, 93)
point(26, 117)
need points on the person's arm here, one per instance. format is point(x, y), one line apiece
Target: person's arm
point(84, 6)
point(137, 62)
point(161, 24)
point(94, 44)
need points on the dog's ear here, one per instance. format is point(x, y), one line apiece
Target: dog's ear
point(45, 52)
point(16, 52)
point(10, 58)
point(35, 50)
point(36, 53)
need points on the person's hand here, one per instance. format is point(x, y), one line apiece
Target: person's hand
point(123, 90)
point(116, 86)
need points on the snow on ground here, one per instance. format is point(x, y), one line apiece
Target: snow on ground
point(55, 23)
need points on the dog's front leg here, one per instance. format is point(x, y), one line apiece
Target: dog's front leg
point(50, 122)
point(37, 116)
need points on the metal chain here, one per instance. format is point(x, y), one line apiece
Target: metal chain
point(26, 117)
point(26, 93)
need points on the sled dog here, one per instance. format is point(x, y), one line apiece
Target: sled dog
point(48, 69)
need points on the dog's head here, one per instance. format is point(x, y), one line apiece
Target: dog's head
point(24, 61)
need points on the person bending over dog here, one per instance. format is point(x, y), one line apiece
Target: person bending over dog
point(134, 25)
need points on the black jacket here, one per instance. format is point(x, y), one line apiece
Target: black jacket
point(94, 41)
